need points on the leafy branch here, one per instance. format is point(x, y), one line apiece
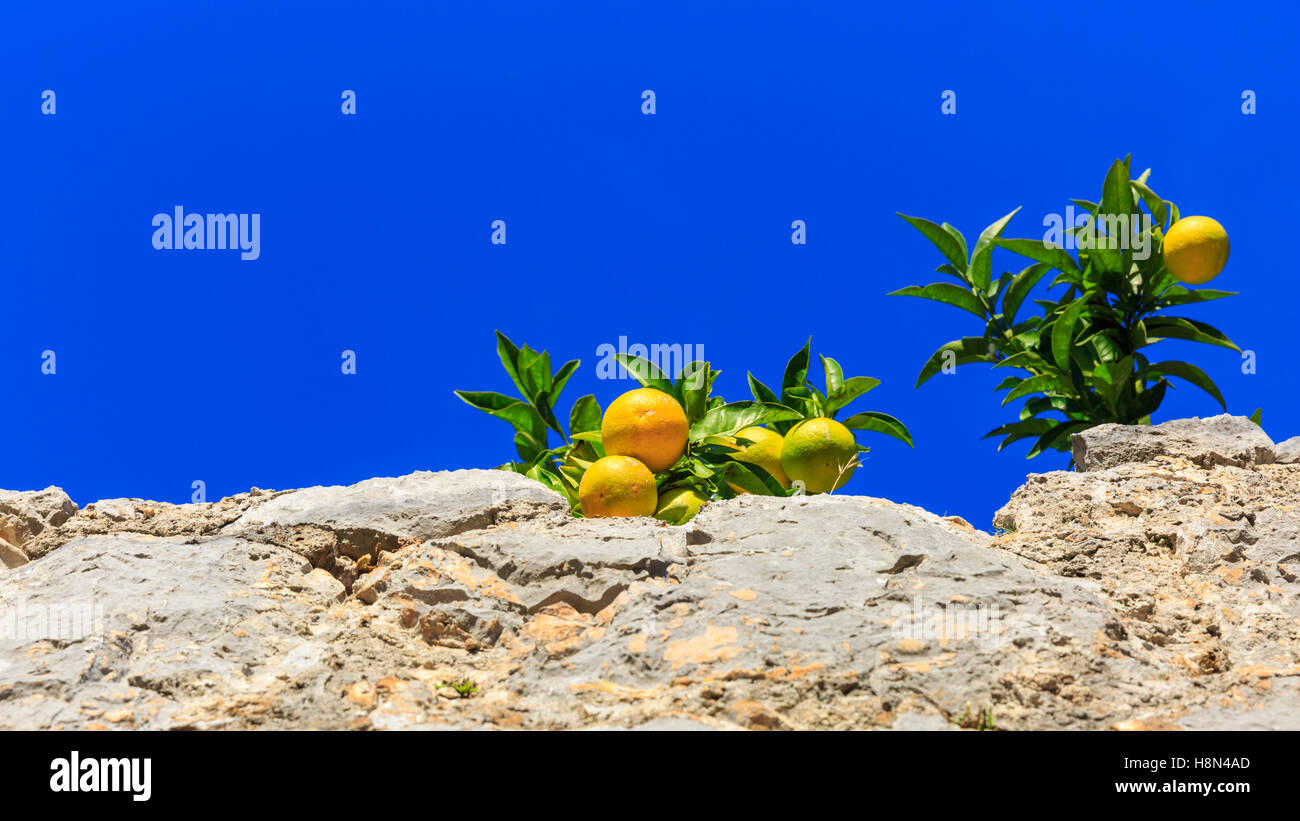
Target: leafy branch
point(1084, 357)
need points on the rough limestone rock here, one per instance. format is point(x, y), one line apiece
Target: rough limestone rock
point(1287, 452)
point(338, 528)
point(1218, 440)
point(24, 515)
point(146, 518)
point(11, 556)
point(1155, 593)
point(1201, 567)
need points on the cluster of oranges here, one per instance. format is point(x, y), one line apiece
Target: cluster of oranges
point(645, 432)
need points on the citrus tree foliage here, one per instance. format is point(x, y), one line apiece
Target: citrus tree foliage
point(799, 393)
point(707, 466)
point(1084, 358)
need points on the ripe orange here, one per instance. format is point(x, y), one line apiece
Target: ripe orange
point(648, 425)
point(617, 486)
point(1195, 250)
point(818, 453)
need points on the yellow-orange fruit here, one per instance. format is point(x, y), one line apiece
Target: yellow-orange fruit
point(617, 486)
point(648, 425)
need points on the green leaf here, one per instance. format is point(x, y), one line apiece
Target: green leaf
point(1154, 204)
point(1147, 402)
point(852, 388)
point(761, 392)
point(535, 371)
point(1063, 333)
point(751, 478)
point(728, 443)
point(694, 389)
point(1111, 378)
point(946, 293)
point(509, 356)
point(732, 417)
point(1117, 202)
point(948, 242)
point(796, 370)
point(521, 415)
point(952, 272)
point(543, 404)
point(879, 423)
point(645, 372)
point(585, 416)
point(819, 401)
point(802, 400)
point(1117, 191)
point(487, 401)
point(1108, 349)
point(1173, 327)
point(1046, 404)
point(1034, 384)
point(1257, 416)
point(559, 483)
point(1191, 373)
point(562, 378)
point(1039, 251)
point(960, 352)
point(1178, 295)
point(1030, 340)
point(583, 454)
point(527, 446)
point(981, 266)
point(834, 375)
point(1025, 360)
point(697, 467)
point(997, 287)
point(1020, 287)
point(713, 376)
point(961, 242)
point(1015, 431)
point(572, 474)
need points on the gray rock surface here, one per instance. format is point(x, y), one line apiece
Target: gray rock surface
point(1217, 440)
point(1148, 594)
point(418, 506)
point(1287, 452)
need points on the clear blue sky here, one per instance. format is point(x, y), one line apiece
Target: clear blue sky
point(176, 366)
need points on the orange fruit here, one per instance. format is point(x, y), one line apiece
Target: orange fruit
point(648, 425)
point(818, 453)
point(617, 486)
point(1195, 250)
point(764, 450)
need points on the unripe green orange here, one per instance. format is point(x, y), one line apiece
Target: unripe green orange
point(819, 452)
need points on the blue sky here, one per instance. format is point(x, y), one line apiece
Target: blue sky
point(176, 366)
